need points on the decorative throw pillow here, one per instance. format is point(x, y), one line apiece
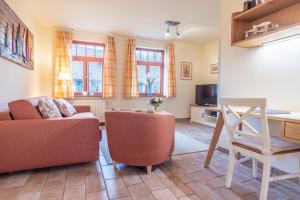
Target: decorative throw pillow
point(48, 109)
point(65, 107)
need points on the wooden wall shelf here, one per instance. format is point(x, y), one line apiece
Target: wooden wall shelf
point(286, 13)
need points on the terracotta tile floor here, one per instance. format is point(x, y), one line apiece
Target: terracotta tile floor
point(183, 179)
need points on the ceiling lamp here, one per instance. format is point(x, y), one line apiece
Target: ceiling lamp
point(171, 24)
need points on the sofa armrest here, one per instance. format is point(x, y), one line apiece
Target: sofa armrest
point(28, 144)
point(81, 109)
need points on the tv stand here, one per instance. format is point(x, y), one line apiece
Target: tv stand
point(203, 116)
point(205, 105)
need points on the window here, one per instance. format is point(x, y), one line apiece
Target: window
point(87, 68)
point(150, 71)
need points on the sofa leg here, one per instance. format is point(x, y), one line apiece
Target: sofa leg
point(170, 158)
point(149, 170)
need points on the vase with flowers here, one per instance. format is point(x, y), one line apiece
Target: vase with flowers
point(155, 102)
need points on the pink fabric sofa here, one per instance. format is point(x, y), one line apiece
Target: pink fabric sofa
point(27, 141)
point(140, 139)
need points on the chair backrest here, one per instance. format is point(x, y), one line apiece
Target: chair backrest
point(237, 111)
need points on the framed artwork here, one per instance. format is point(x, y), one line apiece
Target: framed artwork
point(186, 71)
point(214, 68)
point(15, 38)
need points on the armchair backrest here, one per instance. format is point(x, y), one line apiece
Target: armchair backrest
point(139, 135)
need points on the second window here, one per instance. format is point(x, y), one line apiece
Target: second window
point(150, 71)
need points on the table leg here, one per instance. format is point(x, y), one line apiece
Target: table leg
point(214, 140)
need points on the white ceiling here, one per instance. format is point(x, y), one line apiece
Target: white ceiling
point(139, 18)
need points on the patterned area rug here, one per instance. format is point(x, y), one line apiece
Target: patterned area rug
point(183, 145)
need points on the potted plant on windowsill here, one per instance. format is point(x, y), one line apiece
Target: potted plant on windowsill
point(155, 102)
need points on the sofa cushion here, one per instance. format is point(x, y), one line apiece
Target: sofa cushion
point(82, 115)
point(48, 109)
point(24, 109)
point(5, 116)
point(65, 107)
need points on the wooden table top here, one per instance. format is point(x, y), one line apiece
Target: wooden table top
point(291, 117)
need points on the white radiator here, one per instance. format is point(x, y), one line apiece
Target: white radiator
point(98, 107)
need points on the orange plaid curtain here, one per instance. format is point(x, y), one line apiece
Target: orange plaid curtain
point(130, 89)
point(63, 88)
point(109, 69)
point(171, 71)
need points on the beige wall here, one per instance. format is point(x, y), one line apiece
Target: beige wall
point(47, 52)
point(269, 71)
point(17, 81)
point(185, 89)
point(210, 56)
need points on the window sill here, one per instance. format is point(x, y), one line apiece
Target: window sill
point(89, 96)
point(159, 96)
point(79, 96)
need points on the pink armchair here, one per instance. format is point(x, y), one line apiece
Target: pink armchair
point(140, 139)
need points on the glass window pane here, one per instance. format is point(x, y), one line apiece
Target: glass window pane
point(95, 77)
point(158, 57)
point(77, 76)
point(99, 51)
point(151, 56)
point(138, 55)
point(80, 50)
point(144, 55)
point(154, 78)
point(73, 49)
point(90, 51)
point(142, 78)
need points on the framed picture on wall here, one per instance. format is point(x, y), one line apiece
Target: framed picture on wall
point(214, 68)
point(186, 71)
point(16, 40)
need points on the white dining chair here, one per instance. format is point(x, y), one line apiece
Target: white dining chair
point(253, 142)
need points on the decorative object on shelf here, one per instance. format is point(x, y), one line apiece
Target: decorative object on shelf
point(150, 81)
point(16, 39)
point(214, 68)
point(252, 4)
point(260, 29)
point(279, 12)
point(250, 34)
point(172, 24)
point(155, 102)
point(249, 4)
point(186, 71)
point(246, 5)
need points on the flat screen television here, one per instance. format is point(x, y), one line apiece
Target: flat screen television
point(207, 95)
